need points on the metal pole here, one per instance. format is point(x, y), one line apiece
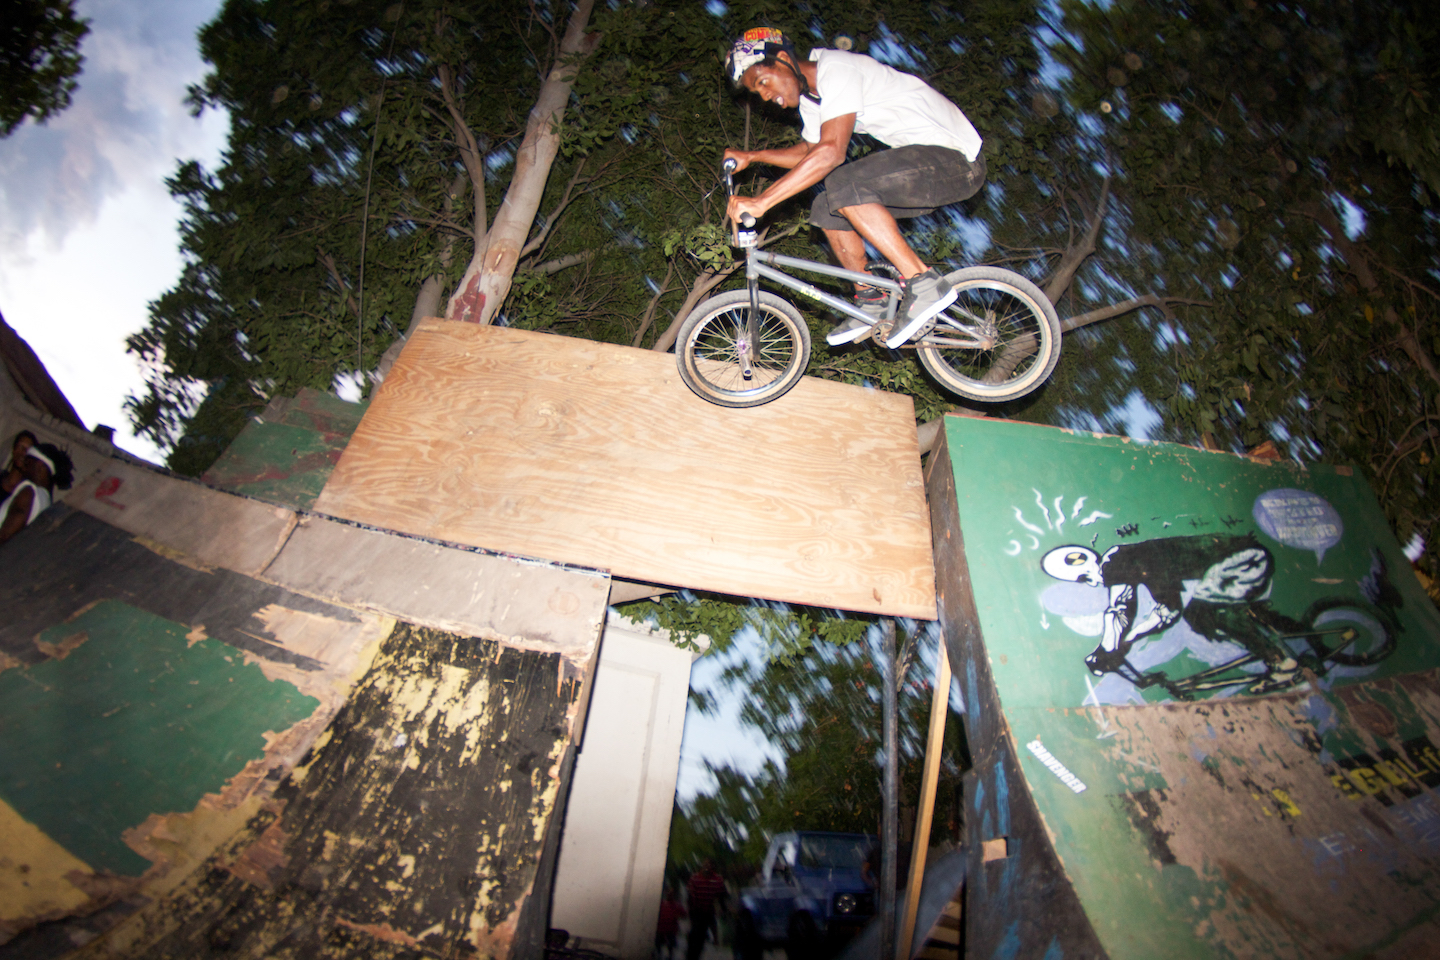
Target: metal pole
point(889, 842)
point(939, 710)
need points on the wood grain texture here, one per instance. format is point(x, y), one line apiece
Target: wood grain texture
point(588, 453)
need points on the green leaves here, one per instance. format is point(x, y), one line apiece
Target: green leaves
point(39, 60)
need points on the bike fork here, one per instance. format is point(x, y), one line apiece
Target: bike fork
point(745, 342)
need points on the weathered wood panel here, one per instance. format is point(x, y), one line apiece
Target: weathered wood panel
point(160, 676)
point(198, 522)
point(462, 591)
point(150, 705)
point(1251, 772)
point(593, 454)
point(413, 828)
point(286, 454)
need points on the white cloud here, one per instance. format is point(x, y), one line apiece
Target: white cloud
point(87, 229)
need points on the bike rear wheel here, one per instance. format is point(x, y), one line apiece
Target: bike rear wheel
point(709, 345)
point(1018, 323)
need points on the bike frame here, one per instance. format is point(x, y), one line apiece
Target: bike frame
point(1215, 678)
point(759, 264)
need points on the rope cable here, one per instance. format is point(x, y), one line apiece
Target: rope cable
point(365, 212)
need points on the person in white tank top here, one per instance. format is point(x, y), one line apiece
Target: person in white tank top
point(45, 466)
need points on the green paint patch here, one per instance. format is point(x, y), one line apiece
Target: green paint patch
point(133, 721)
point(288, 460)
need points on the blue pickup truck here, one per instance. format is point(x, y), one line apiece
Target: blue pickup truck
point(811, 899)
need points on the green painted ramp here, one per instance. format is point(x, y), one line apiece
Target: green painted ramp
point(1201, 699)
point(286, 454)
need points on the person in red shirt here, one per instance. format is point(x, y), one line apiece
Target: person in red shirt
point(668, 926)
point(707, 892)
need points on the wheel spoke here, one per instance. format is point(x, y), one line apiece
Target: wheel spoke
point(712, 343)
point(1013, 337)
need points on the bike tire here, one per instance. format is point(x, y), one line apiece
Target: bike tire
point(1021, 319)
point(707, 350)
point(1382, 639)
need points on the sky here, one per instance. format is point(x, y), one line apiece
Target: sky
point(87, 228)
point(719, 738)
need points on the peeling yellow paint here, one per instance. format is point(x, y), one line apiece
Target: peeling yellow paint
point(177, 843)
point(33, 869)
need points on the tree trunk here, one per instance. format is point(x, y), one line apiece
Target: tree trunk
point(486, 281)
point(427, 301)
point(427, 304)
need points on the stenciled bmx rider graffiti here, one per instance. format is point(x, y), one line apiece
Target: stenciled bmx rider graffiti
point(1228, 581)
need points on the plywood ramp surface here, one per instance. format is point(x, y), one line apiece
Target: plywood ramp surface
point(594, 454)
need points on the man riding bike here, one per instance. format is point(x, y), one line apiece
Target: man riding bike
point(933, 161)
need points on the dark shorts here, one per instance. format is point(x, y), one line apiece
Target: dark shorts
point(907, 181)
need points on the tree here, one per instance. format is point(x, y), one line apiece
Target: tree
point(1272, 165)
point(39, 60)
point(357, 131)
point(372, 149)
point(822, 711)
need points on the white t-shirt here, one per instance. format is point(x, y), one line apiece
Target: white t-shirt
point(895, 108)
point(38, 505)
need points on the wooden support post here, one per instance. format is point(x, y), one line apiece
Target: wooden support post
point(889, 841)
point(939, 710)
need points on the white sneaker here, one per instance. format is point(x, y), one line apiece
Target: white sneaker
point(926, 294)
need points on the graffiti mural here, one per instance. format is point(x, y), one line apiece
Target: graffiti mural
point(1216, 682)
point(1158, 572)
point(1219, 587)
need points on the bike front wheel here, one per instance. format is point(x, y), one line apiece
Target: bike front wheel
point(999, 340)
point(1348, 634)
point(712, 344)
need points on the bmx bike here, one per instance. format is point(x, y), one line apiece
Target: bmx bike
point(999, 340)
point(1332, 633)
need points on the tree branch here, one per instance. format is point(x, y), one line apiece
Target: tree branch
point(539, 239)
point(570, 260)
point(334, 271)
point(1077, 254)
point(1360, 267)
point(1123, 307)
point(470, 153)
point(649, 316)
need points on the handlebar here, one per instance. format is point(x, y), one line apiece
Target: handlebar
point(746, 220)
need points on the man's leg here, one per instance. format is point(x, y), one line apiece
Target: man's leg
point(849, 249)
point(926, 292)
point(700, 921)
point(875, 223)
point(916, 178)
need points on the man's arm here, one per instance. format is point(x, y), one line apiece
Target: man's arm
point(785, 157)
point(18, 515)
point(812, 162)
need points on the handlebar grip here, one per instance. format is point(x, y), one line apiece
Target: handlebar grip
point(746, 220)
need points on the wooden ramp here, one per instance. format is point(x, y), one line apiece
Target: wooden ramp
point(593, 454)
point(234, 729)
point(1198, 801)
